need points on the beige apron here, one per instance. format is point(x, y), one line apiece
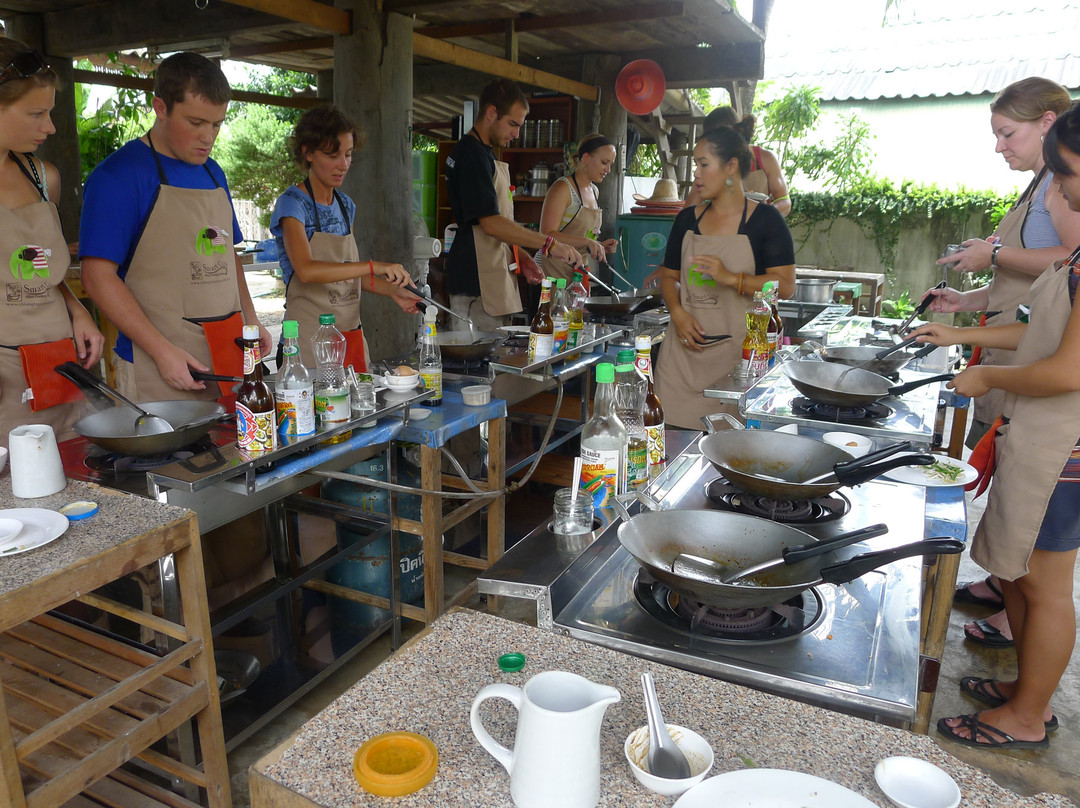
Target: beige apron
point(498, 286)
point(587, 223)
point(681, 374)
point(304, 302)
point(1008, 289)
point(1034, 446)
point(183, 271)
point(34, 260)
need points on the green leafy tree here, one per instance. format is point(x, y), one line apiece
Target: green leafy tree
point(254, 151)
point(125, 115)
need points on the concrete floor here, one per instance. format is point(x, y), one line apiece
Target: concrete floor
point(1026, 772)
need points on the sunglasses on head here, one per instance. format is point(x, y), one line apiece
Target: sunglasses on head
point(23, 66)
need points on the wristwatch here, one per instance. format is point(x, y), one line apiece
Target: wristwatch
point(993, 255)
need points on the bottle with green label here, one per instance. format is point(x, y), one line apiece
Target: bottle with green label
point(603, 441)
point(431, 361)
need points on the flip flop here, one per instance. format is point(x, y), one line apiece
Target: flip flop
point(963, 594)
point(991, 638)
point(986, 692)
point(993, 737)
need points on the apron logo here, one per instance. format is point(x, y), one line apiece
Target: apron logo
point(211, 241)
point(339, 296)
point(14, 293)
point(30, 261)
point(696, 278)
point(199, 270)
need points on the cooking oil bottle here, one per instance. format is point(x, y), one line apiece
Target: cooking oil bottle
point(755, 351)
point(575, 319)
point(775, 331)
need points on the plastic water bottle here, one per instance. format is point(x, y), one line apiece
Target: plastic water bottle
point(630, 389)
point(431, 361)
point(332, 405)
point(603, 441)
point(295, 388)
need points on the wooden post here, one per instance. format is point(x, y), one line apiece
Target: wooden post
point(601, 70)
point(373, 86)
point(324, 85)
point(62, 148)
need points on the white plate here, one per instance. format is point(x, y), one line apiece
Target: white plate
point(399, 387)
point(40, 526)
point(917, 475)
point(913, 783)
point(770, 788)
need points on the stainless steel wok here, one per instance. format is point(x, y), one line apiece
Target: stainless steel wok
point(468, 346)
point(736, 542)
point(777, 465)
point(114, 428)
point(864, 356)
point(624, 303)
point(821, 381)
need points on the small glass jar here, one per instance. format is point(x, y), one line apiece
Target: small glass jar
point(572, 516)
point(363, 399)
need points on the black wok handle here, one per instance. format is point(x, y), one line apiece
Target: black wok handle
point(865, 473)
point(900, 389)
point(861, 564)
point(421, 306)
point(99, 394)
point(925, 350)
point(894, 348)
point(802, 552)
point(874, 456)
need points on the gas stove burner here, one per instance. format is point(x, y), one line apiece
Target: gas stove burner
point(801, 511)
point(759, 626)
point(821, 411)
point(118, 465)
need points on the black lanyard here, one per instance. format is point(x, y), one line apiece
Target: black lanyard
point(341, 205)
point(35, 179)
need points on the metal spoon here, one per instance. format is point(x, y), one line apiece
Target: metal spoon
point(665, 758)
point(146, 423)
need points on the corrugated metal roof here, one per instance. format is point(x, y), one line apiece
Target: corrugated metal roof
point(936, 48)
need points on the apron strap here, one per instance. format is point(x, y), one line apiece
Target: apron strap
point(708, 202)
point(341, 206)
point(35, 179)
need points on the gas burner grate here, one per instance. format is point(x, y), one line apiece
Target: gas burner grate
point(819, 410)
point(758, 626)
point(803, 511)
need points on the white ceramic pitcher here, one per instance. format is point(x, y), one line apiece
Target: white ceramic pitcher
point(556, 755)
point(36, 468)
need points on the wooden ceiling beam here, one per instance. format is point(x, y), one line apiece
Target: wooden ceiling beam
point(652, 11)
point(137, 83)
point(280, 46)
point(449, 53)
point(309, 12)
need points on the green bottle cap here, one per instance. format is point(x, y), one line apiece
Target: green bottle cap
point(561, 283)
point(605, 372)
point(577, 277)
point(290, 329)
point(624, 368)
point(512, 662)
point(768, 286)
point(326, 319)
point(625, 356)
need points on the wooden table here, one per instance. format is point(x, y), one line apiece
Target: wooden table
point(78, 704)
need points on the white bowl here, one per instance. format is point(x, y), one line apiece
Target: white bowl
point(476, 395)
point(3, 457)
point(697, 751)
point(913, 783)
point(401, 382)
point(856, 445)
point(9, 528)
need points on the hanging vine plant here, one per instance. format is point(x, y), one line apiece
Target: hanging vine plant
point(884, 211)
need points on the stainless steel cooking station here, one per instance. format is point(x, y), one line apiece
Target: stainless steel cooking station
point(854, 648)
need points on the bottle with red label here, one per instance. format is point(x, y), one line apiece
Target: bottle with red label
point(256, 422)
point(542, 330)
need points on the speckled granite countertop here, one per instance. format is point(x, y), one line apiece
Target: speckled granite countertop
point(120, 517)
point(429, 685)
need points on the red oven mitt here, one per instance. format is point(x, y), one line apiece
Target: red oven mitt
point(983, 459)
point(226, 355)
point(354, 350)
point(39, 369)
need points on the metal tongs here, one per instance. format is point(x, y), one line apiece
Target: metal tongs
point(436, 304)
point(923, 305)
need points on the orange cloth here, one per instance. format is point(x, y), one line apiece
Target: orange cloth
point(354, 350)
point(983, 458)
point(39, 369)
point(226, 355)
point(976, 352)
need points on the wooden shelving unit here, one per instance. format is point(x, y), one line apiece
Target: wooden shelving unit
point(78, 705)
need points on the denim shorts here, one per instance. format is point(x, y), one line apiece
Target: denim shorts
point(1060, 531)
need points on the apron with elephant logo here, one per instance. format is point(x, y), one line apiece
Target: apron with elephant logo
point(183, 273)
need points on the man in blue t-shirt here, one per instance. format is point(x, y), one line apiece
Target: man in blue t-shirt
point(157, 234)
point(477, 265)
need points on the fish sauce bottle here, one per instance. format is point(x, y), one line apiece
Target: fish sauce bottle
point(652, 413)
point(603, 441)
point(542, 330)
point(255, 412)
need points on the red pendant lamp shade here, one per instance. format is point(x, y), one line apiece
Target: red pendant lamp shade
point(640, 86)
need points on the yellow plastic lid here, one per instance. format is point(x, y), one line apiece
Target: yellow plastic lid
point(395, 763)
